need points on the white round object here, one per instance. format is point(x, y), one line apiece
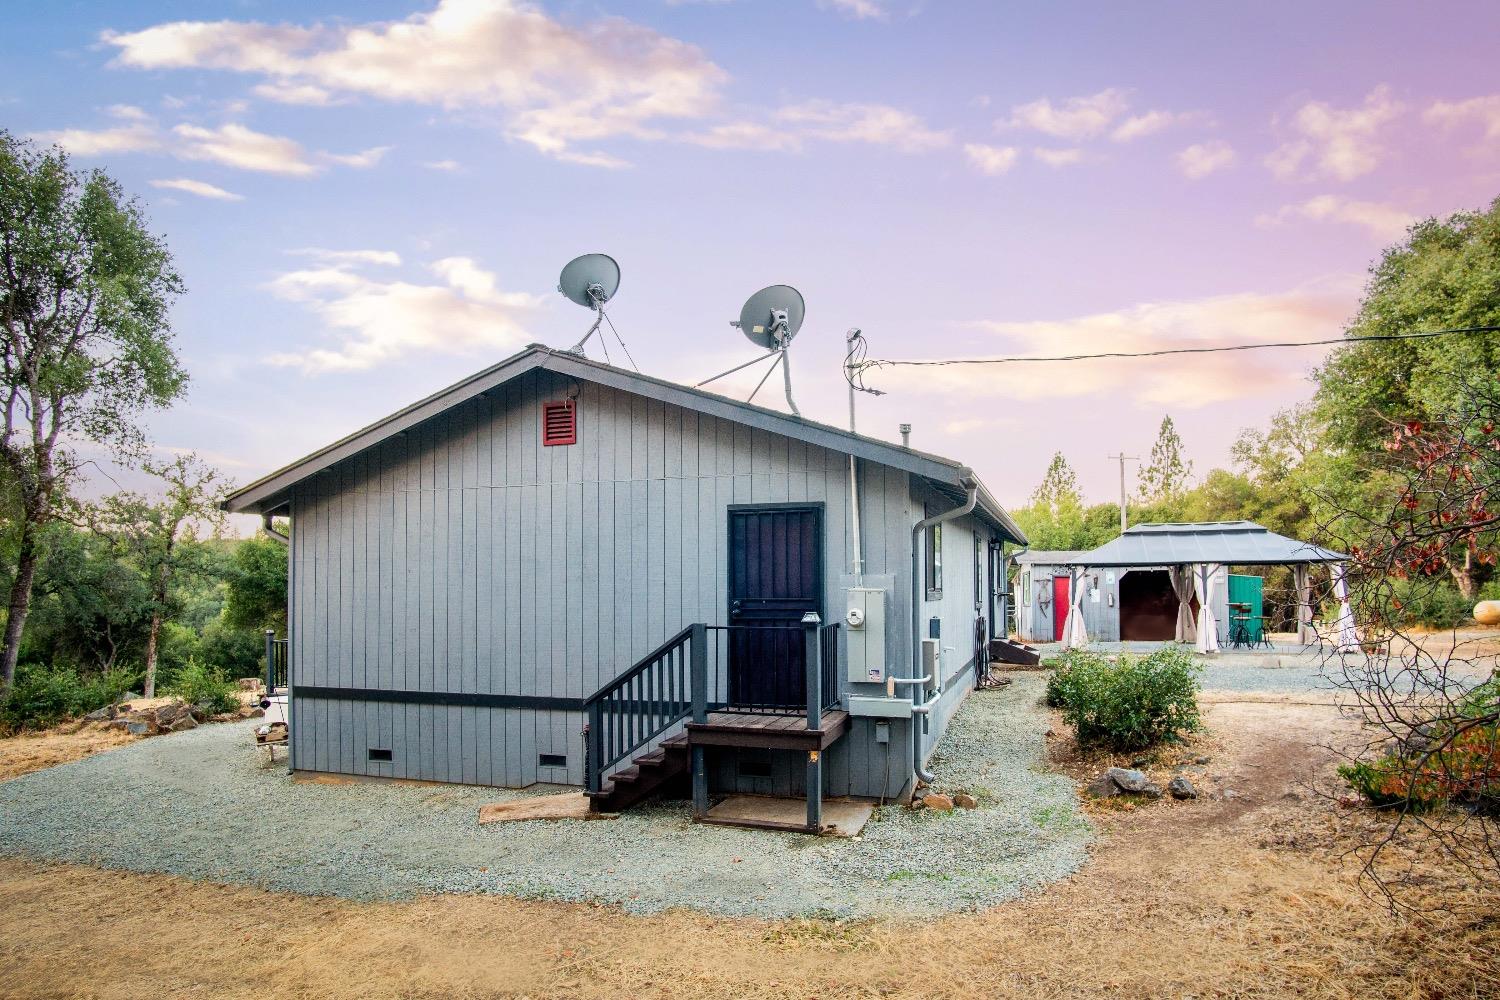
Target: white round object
point(855, 617)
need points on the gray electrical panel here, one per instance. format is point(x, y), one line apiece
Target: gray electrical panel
point(864, 623)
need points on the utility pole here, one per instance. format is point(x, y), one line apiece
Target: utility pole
point(1123, 458)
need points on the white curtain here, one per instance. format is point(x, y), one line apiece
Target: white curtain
point(1348, 635)
point(1306, 634)
point(1075, 635)
point(1208, 626)
point(1182, 585)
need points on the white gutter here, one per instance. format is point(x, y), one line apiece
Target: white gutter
point(921, 708)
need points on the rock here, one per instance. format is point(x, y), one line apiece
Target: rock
point(1123, 780)
point(249, 683)
point(965, 801)
point(198, 712)
point(1141, 762)
point(185, 722)
point(1181, 788)
point(168, 714)
point(1230, 793)
point(257, 713)
point(1103, 787)
point(916, 804)
point(140, 727)
point(1202, 758)
point(1129, 780)
point(937, 801)
point(102, 714)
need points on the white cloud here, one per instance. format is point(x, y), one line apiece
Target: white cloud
point(243, 148)
point(200, 188)
point(561, 83)
point(1336, 143)
point(1385, 222)
point(361, 160)
point(443, 166)
point(991, 160)
point(1184, 380)
point(1150, 123)
point(1204, 158)
point(1481, 111)
point(127, 112)
point(377, 321)
point(860, 10)
point(746, 135)
point(877, 124)
point(101, 142)
point(349, 257)
point(1074, 118)
point(294, 93)
point(1058, 157)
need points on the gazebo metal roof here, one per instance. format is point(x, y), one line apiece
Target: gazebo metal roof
point(1233, 543)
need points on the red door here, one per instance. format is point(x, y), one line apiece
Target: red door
point(1060, 606)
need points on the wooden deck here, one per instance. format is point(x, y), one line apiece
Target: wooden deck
point(767, 731)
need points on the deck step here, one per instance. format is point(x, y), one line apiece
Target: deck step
point(647, 774)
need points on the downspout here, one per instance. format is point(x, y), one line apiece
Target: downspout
point(922, 707)
point(268, 527)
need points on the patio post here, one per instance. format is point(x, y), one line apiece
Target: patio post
point(698, 642)
point(814, 666)
point(1302, 579)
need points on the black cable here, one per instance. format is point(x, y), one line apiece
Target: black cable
point(858, 368)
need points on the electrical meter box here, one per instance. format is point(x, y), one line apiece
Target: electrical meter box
point(864, 624)
point(932, 663)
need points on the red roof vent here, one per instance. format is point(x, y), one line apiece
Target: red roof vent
point(559, 423)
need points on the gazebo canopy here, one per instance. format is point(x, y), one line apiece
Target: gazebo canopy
point(1233, 543)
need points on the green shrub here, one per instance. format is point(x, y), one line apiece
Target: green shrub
point(1130, 704)
point(44, 695)
point(199, 684)
point(1430, 603)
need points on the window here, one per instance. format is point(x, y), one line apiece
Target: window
point(934, 562)
point(551, 760)
point(978, 572)
point(559, 423)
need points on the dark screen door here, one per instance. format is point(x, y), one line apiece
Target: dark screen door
point(775, 577)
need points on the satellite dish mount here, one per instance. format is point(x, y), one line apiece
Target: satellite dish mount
point(770, 319)
point(590, 281)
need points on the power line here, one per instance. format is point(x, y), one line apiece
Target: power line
point(1423, 335)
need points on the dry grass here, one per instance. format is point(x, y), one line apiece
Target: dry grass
point(29, 752)
point(1241, 898)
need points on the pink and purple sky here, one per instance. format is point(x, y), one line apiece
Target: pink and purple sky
point(370, 200)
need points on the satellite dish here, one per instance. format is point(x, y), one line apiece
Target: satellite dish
point(590, 281)
point(772, 316)
point(770, 319)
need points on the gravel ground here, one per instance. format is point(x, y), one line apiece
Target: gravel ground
point(204, 804)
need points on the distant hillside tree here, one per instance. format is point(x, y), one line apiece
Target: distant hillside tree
point(1164, 478)
point(85, 342)
point(152, 535)
point(256, 597)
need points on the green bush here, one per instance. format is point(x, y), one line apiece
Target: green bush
point(1131, 703)
point(44, 695)
point(1430, 603)
point(199, 684)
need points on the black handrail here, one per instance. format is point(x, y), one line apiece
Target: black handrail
point(674, 681)
point(663, 688)
point(276, 662)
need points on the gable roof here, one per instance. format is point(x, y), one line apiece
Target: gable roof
point(1233, 543)
point(270, 493)
point(1049, 557)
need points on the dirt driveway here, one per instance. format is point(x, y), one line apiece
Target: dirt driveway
point(1243, 897)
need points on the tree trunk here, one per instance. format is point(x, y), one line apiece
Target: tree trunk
point(152, 638)
point(1463, 575)
point(20, 605)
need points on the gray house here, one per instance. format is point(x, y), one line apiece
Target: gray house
point(561, 571)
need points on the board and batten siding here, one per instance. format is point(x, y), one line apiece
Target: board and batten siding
point(464, 557)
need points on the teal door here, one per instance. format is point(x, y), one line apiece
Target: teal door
point(1245, 599)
